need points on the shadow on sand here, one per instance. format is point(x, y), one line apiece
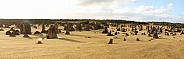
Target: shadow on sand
point(85, 36)
point(161, 38)
point(66, 39)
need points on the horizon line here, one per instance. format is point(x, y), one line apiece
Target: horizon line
point(89, 19)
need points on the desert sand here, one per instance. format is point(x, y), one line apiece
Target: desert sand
point(77, 46)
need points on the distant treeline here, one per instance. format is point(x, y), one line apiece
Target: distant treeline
point(33, 21)
point(122, 22)
point(178, 25)
point(38, 21)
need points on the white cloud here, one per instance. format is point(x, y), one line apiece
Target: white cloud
point(170, 5)
point(36, 8)
point(141, 13)
point(115, 9)
point(103, 2)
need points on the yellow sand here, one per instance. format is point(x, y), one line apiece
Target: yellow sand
point(76, 46)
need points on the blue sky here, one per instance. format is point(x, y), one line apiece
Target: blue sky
point(136, 10)
point(177, 8)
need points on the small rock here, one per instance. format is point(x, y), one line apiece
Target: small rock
point(124, 39)
point(111, 41)
point(137, 39)
point(39, 42)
